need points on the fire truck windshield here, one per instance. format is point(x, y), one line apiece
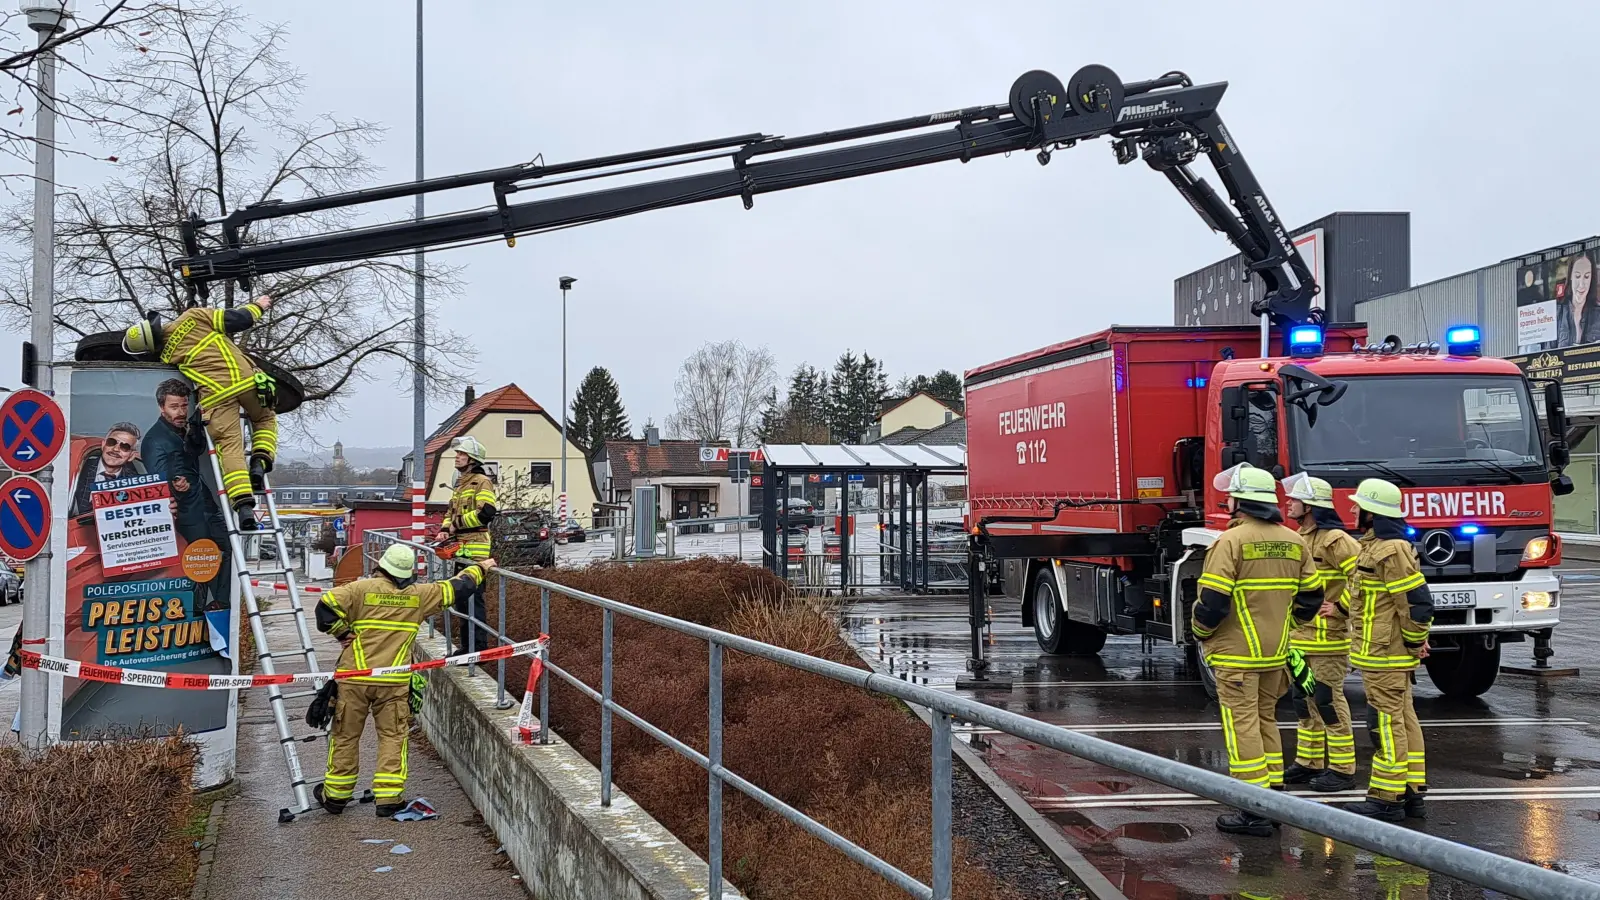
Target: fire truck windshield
point(1402, 422)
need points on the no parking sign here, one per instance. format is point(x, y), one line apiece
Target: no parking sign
point(24, 518)
point(32, 430)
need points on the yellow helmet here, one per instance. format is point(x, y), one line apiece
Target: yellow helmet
point(471, 446)
point(399, 561)
point(139, 338)
point(1379, 497)
point(1308, 490)
point(1247, 483)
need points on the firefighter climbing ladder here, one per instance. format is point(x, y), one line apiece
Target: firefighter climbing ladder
point(265, 655)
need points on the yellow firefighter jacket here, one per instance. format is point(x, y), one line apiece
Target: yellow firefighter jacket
point(1334, 553)
point(1255, 572)
point(468, 516)
point(198, 343)
point(1390, 610)
point(384, 619)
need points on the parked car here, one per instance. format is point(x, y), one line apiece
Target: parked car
point(572, 531)
point(10, 587)
point(524, 538)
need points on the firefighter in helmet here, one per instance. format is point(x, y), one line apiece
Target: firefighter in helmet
point(198, 342)
point(472, 508)
point(1391, 612)
point(1325, 755)
point(376, 620)
point(1257, 575)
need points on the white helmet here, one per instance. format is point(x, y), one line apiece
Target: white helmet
point(1247, 482)
point(1308, 490)
point(471, 446)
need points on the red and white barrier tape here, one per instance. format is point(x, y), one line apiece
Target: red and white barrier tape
point(284, 586)
point(525, 716)
point(72, 668)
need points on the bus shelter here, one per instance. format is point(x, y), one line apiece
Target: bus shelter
point(901, 474)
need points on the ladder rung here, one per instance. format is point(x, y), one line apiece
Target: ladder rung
point(271, 613)
point(297, 695)
point(307, 651)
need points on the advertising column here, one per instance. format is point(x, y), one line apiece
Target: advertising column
point(147, 571)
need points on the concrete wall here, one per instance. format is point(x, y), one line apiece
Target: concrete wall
point(543, 802)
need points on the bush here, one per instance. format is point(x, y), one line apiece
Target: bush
point(98, 820)
point(855, 761)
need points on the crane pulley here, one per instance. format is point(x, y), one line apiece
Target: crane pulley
point(1168, 122)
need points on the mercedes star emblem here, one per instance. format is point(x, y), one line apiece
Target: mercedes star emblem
point(1438, 547)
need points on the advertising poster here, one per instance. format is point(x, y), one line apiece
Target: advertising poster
point(149, 579)
point(1556, 305)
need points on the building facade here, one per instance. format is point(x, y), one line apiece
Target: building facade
point(690, 487)
point(919, 411)
point(1353, 255)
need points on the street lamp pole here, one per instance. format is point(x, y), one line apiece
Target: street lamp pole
point(48, 18)
point(419, 335)
point(561, 514)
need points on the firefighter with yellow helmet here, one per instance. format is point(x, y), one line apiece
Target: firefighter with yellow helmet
point(1391, 612)
point(1325, 752)
point(1258, 580)
point(376, 620)
point(472, 508)
point(199, 343)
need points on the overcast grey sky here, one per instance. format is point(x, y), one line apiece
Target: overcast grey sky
point(1477, 118)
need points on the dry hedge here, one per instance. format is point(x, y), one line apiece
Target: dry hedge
point(98, 821)
point(857, 762)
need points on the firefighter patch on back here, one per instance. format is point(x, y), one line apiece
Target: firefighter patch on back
point(1272, 550)
point(401, 601)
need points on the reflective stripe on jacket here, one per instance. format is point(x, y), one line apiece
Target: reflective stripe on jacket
point(1380, 611)
point(1334, 553)
point(1259, 566)
point(473, 492)
point(198, 344)
point(384, 619)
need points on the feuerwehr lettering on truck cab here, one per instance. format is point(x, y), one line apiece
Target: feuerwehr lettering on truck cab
point(1451, 504)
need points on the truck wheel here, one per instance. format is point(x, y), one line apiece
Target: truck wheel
point(1203, 672)
point(1048, 617)
point(1084, 640)
point(1468, 672)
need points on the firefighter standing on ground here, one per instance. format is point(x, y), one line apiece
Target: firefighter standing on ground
point(1391, 612)
point(198, 343)
point(376, 620)
point(1325, 752)
point(1255, 574)
point(472, 508)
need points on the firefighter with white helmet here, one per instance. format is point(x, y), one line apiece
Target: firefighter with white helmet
point(1391, 613)
point(1325, 752)
point(376, 620)
point(472, 508)
point(1258, 575)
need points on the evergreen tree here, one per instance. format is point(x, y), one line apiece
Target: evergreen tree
point(855, 394)
point(597, 413)
point(945, 386)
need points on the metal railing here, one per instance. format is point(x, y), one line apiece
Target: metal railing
point(1470, 864)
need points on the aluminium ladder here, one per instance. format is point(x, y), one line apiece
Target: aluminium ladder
point(265, 656)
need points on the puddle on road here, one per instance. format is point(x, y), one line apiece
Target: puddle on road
point(1107, 786)
point(1080, 826)
point(1536, 766)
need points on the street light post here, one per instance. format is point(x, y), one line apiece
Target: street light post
point(48, 18)
point(561, 513)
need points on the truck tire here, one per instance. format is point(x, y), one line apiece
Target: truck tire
point(1048, 616)
point(1468, 672)
point(1203, 672)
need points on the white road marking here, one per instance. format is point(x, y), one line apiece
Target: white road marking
point(1111, 801)
point(1509, 721)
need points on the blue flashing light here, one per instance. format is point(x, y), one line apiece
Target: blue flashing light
point(1410, 532)
point(1196, 382)
point(1305, 340)
point(1464, 340)
point(1470, 529)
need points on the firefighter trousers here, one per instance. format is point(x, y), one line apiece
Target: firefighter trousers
point(389, 706)
point(1249, 701)
point(1398, 759)
point(1318, 739)
point(222, 423)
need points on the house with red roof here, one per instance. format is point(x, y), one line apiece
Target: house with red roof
point(524, 444)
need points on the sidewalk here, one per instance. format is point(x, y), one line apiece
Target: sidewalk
point(320, 856)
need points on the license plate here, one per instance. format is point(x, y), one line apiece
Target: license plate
point(1454, 599)
point(516, 537)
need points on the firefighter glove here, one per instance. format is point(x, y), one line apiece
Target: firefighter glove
point(320, 714)
point(266, 390)
point(419, 687)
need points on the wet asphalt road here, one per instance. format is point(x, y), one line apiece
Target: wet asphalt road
point(1516, 771)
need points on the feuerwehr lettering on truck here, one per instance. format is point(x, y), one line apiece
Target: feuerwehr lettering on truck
point(1452, 504)
point(1031, 419)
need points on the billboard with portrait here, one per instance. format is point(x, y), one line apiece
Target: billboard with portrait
point(1556, 303)
point(149, 583)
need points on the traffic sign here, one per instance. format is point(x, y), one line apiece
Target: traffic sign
point(32, 430)
point(24, 517)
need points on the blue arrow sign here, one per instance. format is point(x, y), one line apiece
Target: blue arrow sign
point(24, 518)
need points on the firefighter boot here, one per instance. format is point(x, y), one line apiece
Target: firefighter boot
point(1298, 774)
point(1241, 822)
point(333, 806)
point(1382, 810)
point(1331, 782)
point(259, 467)
point(1416, 801)
point(385, 810)
point(245, 512)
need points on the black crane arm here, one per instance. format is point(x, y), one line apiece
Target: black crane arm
point(1167, 122)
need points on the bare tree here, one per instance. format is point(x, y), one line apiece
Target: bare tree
point(755, 380)
point(205, 118)
point(706, 392)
